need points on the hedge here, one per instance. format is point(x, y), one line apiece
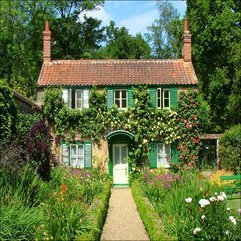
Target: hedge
point(151, 219)
point(96, 214)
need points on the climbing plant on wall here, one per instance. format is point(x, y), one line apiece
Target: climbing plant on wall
point(147, 124)
point(193, 121)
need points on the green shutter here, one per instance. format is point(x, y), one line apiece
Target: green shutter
point(173, 96)
point(153, 97)
point(174, 152)
point(110, 98)
point(130, 98)
point(153, 156)
point(88, 155)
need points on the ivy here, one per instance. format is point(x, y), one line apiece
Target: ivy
point(147, 124)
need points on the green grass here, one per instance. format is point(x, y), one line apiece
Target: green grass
point(235, 202)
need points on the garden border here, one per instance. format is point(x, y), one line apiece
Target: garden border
point(96, 214)
point(149, 216)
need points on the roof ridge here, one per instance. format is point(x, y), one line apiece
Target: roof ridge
point(114, 61)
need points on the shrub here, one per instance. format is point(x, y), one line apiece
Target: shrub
point(151, 219)
point(230, 149)
point(38, 145)
point(8, 112)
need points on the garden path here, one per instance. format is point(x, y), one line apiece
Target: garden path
point(123, 220)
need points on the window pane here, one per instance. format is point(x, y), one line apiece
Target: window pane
point(166, 94)
point(159, 93)
point(65, 96)
point(124, 154)
point(65, 154)
point(123, 93)
point(159, 155)
point(81, 156)
point(167, 154)
point(166, 102)
point(78, 94)
point(124, 103)
point(117, 94)
point(73, 156)
point(117, 102)
point(116, 155)
point(78, 104)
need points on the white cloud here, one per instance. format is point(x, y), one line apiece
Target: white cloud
point(139, 23)
point(100, 13)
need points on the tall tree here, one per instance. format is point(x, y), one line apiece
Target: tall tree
point(122, 45)
point(216, 38)
point(164, 35)
point(21, 26)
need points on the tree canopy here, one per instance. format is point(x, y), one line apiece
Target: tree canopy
point(216, 37)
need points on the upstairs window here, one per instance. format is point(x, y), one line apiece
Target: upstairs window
point(76, 98)
point(120, 97)
point(163, 98)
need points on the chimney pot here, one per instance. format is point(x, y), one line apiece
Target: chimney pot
point(47, 26)
point(186, 25)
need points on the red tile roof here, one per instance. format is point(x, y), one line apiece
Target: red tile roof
point(117, 72)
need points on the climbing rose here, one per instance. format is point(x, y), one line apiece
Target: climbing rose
point(204, 202)
point(197, 230)
point(188, 200)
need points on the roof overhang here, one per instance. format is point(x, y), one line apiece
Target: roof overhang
point(120, 133)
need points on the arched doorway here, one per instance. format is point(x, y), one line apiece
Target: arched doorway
point(119, 167)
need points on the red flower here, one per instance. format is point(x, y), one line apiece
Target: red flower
point(195, 157)
point(196, 141)
point(194, 117)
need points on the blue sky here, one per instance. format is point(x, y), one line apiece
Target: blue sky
point(135, 15)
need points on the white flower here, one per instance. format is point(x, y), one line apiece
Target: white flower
point(188, 200)
point(216, 193)
point(203, 217)
point(222, 194)
point(204, 202)
point(212, 199)
point(220, 198)
point(233, 220)
point(229, 209)
point(227, 232)
point(197, 230)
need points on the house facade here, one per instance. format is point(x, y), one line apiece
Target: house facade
point(164, 79)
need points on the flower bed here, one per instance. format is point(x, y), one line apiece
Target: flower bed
point(72, 204)
point(190, 207)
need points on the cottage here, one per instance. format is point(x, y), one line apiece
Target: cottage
point(164, 78)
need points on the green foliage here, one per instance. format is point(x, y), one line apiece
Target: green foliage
point(164, 35)
point(22, 23)
point(181, 211)
point(24, 124)
point(122, 45)
point(19, 215)
point(193, 121)
point(77, 187)
point(215, 28)
point(230, 149)
point(38, 144)
point(150, 218)
point(8, 112)
point(96, 214)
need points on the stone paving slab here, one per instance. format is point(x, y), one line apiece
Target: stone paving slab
point(123, 221)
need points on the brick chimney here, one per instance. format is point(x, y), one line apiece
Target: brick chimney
point(187, 43)
point(47, 44)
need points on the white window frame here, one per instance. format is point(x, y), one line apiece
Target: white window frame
point(76, 164)
point(163, 98)
point(120, 98)
point(76, 99)
point(159, 100)
point(166, 159)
